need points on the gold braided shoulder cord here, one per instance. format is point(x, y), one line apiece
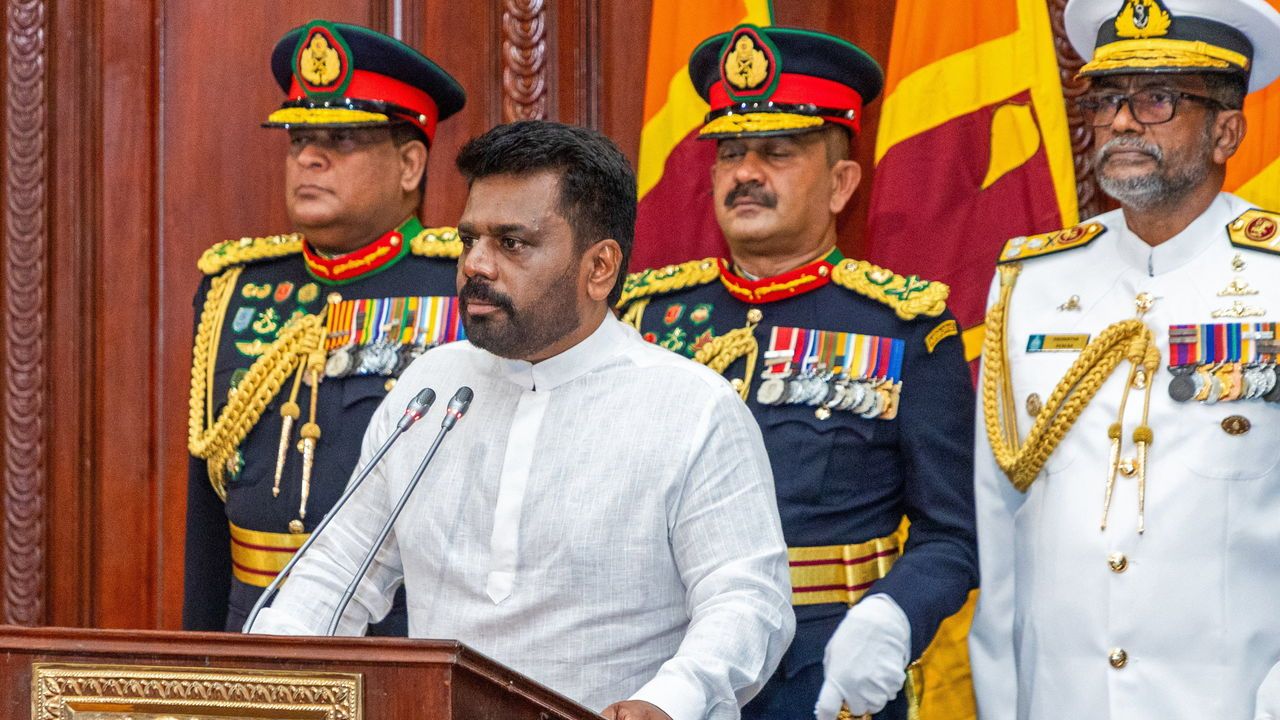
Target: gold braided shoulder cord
point(721, 352)
point(1127, 339)
point(216, 441)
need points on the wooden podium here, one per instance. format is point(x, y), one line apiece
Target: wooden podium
point(70, 674)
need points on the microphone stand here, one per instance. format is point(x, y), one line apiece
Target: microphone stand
point(417, 407)
point(457, 408)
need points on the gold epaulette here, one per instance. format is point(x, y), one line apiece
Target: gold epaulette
point(667, 279)
point(247, 250)
point(438, 242)
point(1256, 230)
point(909, 295)
point(1029, 246)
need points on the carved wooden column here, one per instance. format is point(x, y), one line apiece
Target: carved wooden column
point(524, 60)
point(25, 312)
point(1069, 63)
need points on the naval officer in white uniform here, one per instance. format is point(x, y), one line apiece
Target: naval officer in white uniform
point(1128, 459)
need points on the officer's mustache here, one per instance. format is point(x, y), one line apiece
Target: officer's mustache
point(482, 292)
point(1128, 143)
point(755, 191)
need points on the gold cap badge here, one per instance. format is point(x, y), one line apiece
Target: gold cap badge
point(746, 67)
point(1142, 19)
point(319, 63)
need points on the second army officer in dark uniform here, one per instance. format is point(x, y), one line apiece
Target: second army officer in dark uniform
point(855, 374)
point(300, 336)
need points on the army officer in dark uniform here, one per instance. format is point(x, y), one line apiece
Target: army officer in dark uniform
point(300, 336)
point(856, 374)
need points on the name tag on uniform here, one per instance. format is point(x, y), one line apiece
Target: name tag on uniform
point(1057, 343)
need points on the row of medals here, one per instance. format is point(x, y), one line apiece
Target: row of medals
point(866, 397)
point(377, 358)
point(1224, 382)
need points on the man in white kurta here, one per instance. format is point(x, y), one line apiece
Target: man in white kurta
point(1163, 601)
point(602, 520)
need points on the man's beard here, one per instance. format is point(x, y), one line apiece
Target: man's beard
point(1165, 186)
point(521, 333)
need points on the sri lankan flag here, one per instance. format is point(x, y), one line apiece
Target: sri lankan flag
point(973, 145)
point(675, 220)
point(1254, 172)
point(973, 148)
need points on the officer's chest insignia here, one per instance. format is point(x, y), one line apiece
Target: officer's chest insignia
point(832, 372)
point(1223, 362)
point(700, 313)
point(381, 336)
point(1057, 343)
point(673, 314)
point(1256, 230)
point(1030, 246)
point(243, 317)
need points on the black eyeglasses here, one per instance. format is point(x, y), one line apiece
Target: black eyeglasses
point(1151, 106)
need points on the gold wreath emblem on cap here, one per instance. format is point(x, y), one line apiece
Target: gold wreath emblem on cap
point(320, 65)
point(1142, 19)
point(746, 67)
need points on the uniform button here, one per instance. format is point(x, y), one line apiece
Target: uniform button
point(334, 298)
point(1128, 467)
point(1118, 658)
point(390, 383)
point(1118, 562)
point(754, 315)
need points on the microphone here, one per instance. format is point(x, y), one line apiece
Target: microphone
point(413, 412)
point(458, 406)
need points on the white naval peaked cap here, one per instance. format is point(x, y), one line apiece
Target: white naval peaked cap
point(1177, 36)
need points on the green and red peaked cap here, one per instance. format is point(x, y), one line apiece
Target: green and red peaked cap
point(764, 81)
point(339, 75)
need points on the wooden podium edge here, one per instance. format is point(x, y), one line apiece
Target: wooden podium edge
point(233, 647)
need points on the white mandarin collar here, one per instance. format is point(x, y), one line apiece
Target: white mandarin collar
point(602, 345)
point(1179, 249)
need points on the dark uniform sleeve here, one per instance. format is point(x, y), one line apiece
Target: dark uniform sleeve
point(207, 572)
point(939, 564)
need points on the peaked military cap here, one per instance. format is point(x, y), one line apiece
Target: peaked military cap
point(781, 81)
point(340, 75)
point(1177, 36)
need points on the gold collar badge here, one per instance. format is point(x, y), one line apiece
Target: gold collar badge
point(1143, 19)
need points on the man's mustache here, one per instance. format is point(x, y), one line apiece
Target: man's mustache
point(755, 191)
point(1128, 144)
point(482, 292)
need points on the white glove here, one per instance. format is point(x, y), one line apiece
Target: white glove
point(1267, 706)
point(866, 659)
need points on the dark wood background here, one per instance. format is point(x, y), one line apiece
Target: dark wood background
point(131, 143)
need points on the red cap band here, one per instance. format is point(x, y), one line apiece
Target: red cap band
point(795, 89)
point(366, 85)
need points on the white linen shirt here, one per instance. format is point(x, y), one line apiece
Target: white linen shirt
point(602, 521)
point(1194, 601)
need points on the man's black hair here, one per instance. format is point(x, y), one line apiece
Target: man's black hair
point(597, 184)
point(1227, 88)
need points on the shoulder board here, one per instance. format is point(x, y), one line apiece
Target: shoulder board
point(247, 250)
point(658, 281)
point(1029, 246)
point(909, 296)
point(437, 242)
point(1256, 230)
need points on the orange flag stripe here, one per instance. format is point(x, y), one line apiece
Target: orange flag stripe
point(684, 25)
point(953, 26)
